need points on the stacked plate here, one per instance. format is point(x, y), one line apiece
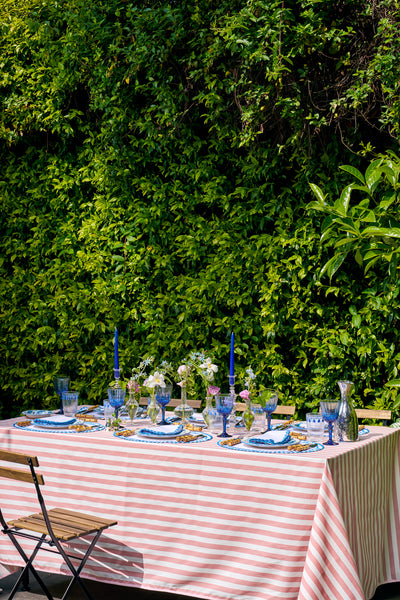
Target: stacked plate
point(162, 432)
point(270, 439)
point(55, 422)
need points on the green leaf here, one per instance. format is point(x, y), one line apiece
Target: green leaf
point(342, 204)
point(353, 171)
point(393, 383)
point(319, 194)
point(381, 232)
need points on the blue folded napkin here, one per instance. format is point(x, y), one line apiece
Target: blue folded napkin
point(272, 438)
point(56, 421)
point(169, 430)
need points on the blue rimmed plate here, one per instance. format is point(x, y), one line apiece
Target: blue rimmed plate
point(55, 422)
point(163, 432)
point(34, 414)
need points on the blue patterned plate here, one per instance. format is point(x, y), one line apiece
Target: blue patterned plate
point(33, 414)
point(55, 422)
point(162, 432)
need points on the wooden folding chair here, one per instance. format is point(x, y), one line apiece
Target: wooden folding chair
point(54, 527)
point(281, 409)
point(373, 413)
point(174, 402)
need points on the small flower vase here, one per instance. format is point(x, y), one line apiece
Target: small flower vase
point(153, 409)
point(183, 410)
point(132, 406)
point(248, 416)
point(207, 409)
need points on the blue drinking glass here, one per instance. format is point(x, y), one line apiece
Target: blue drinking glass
point(269, 402)
point(224, 406)
point(61, 384)
point(116, 397)
point(330, 412)
point(163, 396)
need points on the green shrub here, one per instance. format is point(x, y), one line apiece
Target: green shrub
point(154, 174)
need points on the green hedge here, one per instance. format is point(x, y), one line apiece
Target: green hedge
point(154, 176)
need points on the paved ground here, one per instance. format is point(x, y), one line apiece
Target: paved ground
point(101, 591)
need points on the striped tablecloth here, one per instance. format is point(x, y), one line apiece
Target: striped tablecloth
point(210, 522)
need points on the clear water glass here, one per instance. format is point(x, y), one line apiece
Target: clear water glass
point(259, 423)
point(315, 427)
point(69, 400)
point(61, 384)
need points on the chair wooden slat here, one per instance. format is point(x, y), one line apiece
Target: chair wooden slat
point(19, 475)
point(281, 409)
point(174, 402)
point(371, 413)
point(17, 457)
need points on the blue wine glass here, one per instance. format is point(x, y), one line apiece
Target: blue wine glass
point(224, 406)
point(269, 401)
point(163, 396)
point(116, 397)
point(61, 384)
point(330, 412)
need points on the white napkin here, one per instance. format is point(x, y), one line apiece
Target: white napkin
point(163, 430)
point(272, 438)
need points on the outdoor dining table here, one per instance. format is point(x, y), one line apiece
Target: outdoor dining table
point(219, 522)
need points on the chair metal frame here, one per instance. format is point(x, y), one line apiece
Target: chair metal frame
point(54, 527)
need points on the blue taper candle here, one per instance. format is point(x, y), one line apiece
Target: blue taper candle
point(232, 361)
point(116, 359)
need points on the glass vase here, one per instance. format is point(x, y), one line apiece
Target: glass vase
point(183, 410)
point(248, 416)
point(206, 411)
point(132, 407)
point(153, 409)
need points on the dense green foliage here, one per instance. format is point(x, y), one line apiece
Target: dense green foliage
point(154, 176)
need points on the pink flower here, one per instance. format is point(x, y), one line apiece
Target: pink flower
point(133, 386)
point(213, 390)
point(245, 394)
point(182, 370)
point(181, 383)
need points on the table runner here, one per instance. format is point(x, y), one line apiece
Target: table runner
point(203, 521)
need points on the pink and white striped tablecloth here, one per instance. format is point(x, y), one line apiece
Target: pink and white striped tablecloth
point(208, 522)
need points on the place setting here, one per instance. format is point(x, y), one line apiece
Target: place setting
point(59, 424)
point(65, 420)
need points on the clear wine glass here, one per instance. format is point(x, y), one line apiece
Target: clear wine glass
point(269, 401)
point(330, 412)
point(163, 396)
point(61, 384)
point(224, 406)
point(116, 397)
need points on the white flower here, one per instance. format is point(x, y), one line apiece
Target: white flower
point(154, 380)
point(208, 366)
